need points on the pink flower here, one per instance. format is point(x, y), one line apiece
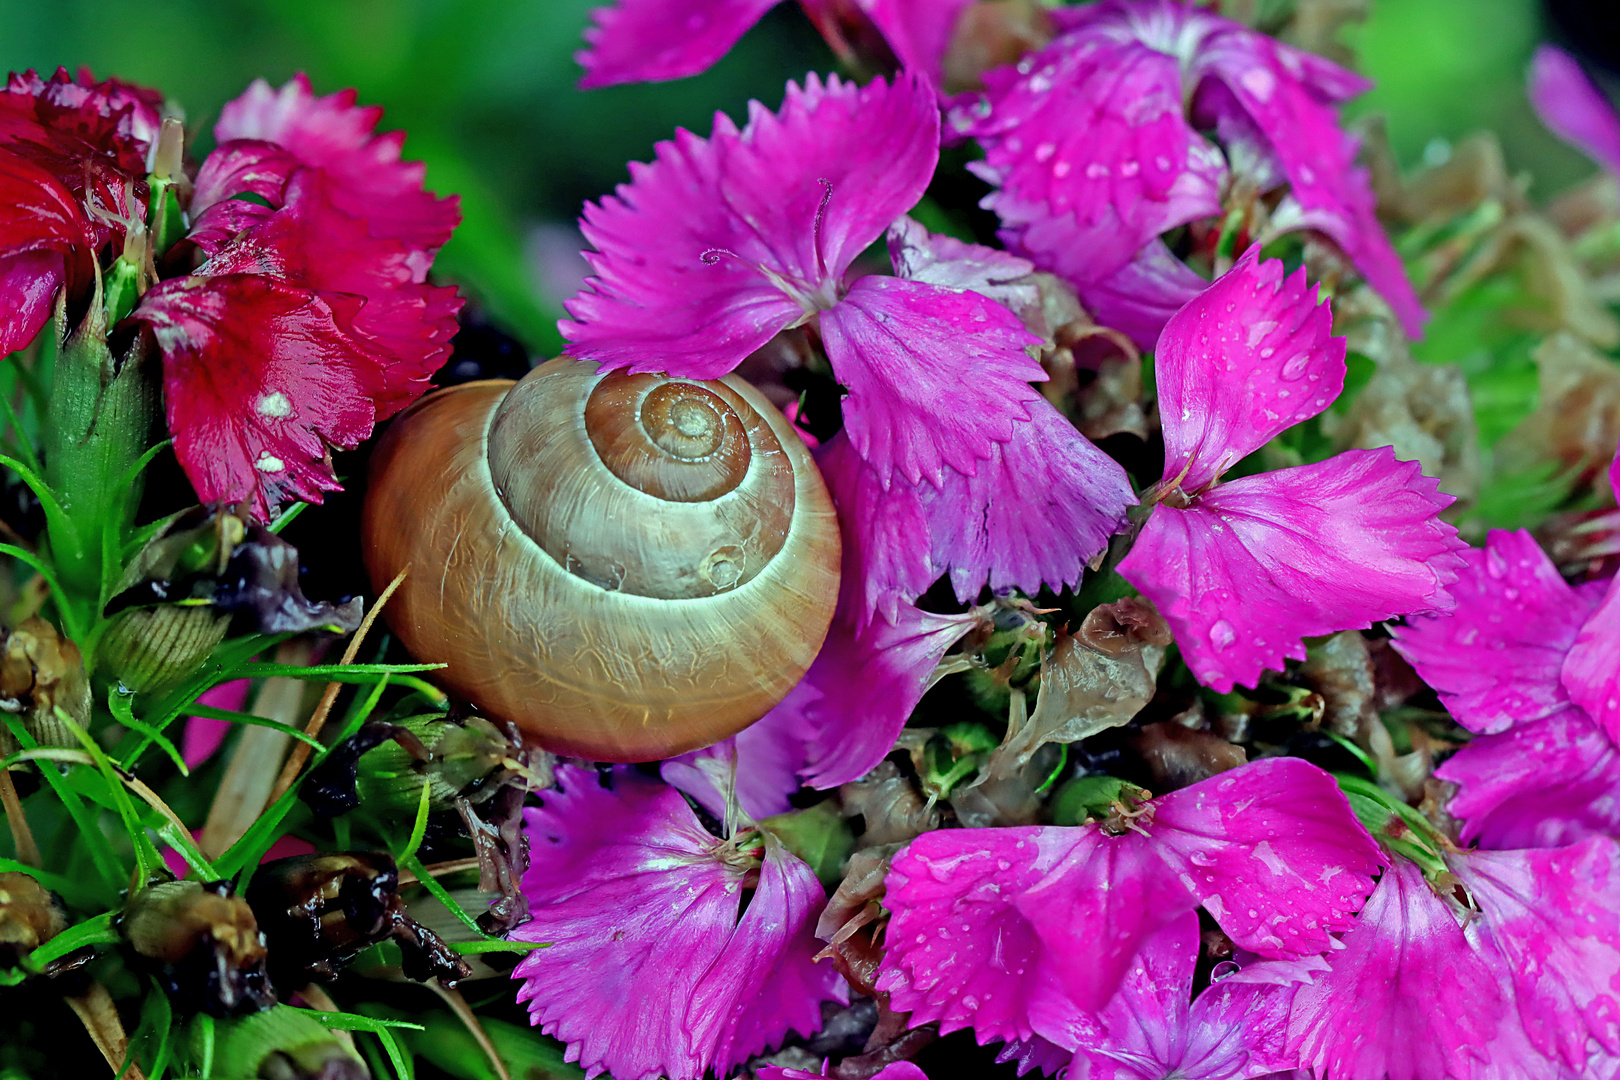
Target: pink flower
point(311, 320)
point(1246, 570)
point(997, 928)
point(722, 243)
point(1093, 145)
point(1573, 108)
point(1153, 1027)
point(1514, 985)
point(869, 676)
point(72, 180)
point(763, 760)
point(651, 970)
point(655, 40)
point(1543, 771)
point(265, 135)
point(1408, 997)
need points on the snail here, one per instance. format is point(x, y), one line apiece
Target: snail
point(625, 566)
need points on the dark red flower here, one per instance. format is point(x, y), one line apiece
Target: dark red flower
point(73, 164)
point(298, 334)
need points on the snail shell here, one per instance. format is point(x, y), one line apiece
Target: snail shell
point(625, 566)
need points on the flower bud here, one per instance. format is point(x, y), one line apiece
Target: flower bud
point(29, 917)
point(41, 671)
point(203, 944)
point(153, 649)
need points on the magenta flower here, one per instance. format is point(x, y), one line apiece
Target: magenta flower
point(998, 928)
point(204, 735)
point(1247, 569)
point(655, 40)
point(1153, 1028)
point(655, 969)
point(1425, 988)
point(712, 250)
point(869, 676)
point(1093, 145)
point(311, 320)
point(1574, 109)
point(73, 164)
point(1543, 771)
point(763, 760)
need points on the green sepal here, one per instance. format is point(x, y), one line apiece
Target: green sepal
point(1087, 798)
point(819, 835)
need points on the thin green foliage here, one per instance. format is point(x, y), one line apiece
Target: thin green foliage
point(25, 446)
point(382, 1029)
point(65, 611)
point(147, 859)
point(419, 826)
point(408, 861)
point(98, 930)
point(344, 673)
point(123, 710)
point(233, 717)
point(89, 831)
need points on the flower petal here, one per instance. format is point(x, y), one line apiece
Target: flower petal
point(254, 387)
point(886, 558)
point(767, 982)
point(1140, 299)
point(1273, 851)
point(29, 282)
point(962, 950)
point(650, 971)
point(769, 754)
point(1089, 146)
point(1258, 564)
point(656, 40)
point(1252, 356)
point(1551, 914)
point(1574, 109)
point(722, 242)
point(332, 133)
point(1496, 660)
point(863, 686)
point(935, 376)
point(44, 244)
point(1334, 195)
point(1406, 998)
point(919, 255)
point(1542, 783)
point(919, 31)
point(1043, 505)
point(1591, 672)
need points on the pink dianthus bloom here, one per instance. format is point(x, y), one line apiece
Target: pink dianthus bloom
point(311, 319)
point(1153, 1028)
point(1522, 981)
point(1574, 109)
point(1010, 930)
point(73, 165)
point(655, 968)
point(1094, 146)
point(900, 1070)
point(722, 243)
point(1542, 771)
point(1245, 570)
point(655, 40)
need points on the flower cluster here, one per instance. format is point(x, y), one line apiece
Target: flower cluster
point(1153, 165)
point(284, 284)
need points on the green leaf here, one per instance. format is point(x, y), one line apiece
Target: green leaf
point(123, 711)
point(288, 516)
point(491, 945)
point(25, 445)
point(233, 717)
point(54, 882)
point(89, 830)
point(147, 859)
point(419, 828)
point(99, 930)
point(409, 861)
point(383, 1029)
point(344, 673)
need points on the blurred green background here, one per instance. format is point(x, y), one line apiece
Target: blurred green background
point(486, 90)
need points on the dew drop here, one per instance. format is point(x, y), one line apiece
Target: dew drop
point(1221, 635)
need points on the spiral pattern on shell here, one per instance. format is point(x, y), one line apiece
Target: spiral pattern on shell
point(626, 566)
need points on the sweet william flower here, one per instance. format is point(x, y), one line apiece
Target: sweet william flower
point(1523, 981)
point(721, 243)
point(1009, 930)
point(654, 40)
point(73, 164)
point(1094, 148)
point(656, 968)
point(1153, 1027)
point(1245, 570)
point(1542, 770)
point(310, 319)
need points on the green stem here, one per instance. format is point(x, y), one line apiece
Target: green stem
point(99, 423)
